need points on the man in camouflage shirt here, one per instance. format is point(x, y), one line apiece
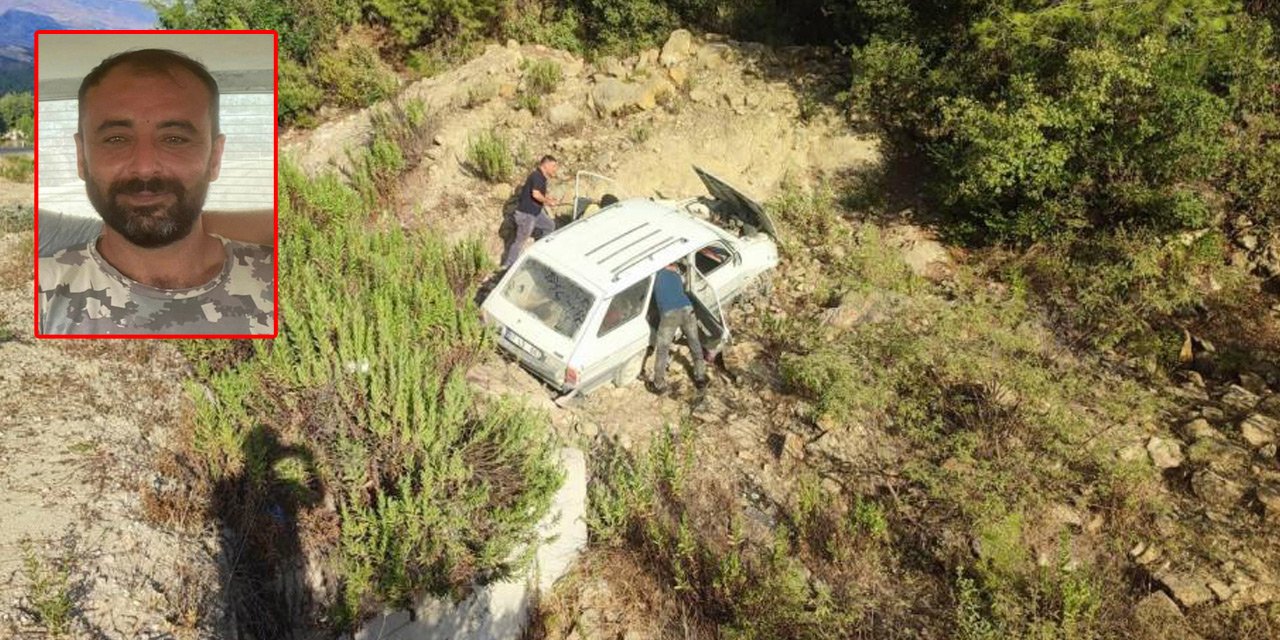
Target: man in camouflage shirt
point(147, 147)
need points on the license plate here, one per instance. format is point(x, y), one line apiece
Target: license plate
point(521, 343)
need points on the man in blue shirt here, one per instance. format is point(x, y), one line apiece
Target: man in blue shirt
point(529, 215)
point(675, 311)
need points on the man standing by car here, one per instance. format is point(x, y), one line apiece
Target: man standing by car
point(675, 311)
point(529, 215)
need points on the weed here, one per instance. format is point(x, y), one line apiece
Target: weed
point(530, 101)
point(49, 597)
point(17, 168)
point(480, 93)
point(489, 155)
point(640, 133)
point(430, 489)
point(541, 76)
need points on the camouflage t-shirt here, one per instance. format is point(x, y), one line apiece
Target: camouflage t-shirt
point(80, 293)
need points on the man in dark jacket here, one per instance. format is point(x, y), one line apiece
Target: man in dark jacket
point(675, 311)
point(529, 215)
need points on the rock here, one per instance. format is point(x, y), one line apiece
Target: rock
point(921, 250)
point(1158, 618)
point(564, 115)
point(588, 428)
point(1239, 398)
point(702, 96)
point(1270, 405)
point(1216, 454)
point(1219, 493)
point(646, 60)
point(655, 90)
point(437, 141)
point(611, 66)
point(1193, 377)
point(507, 90)
point(1248, 241)
point(1258, 430)
point(679, 75)
point(1197, 429)
point(613, 97)
point(1267, 450)
point(1221, 590)
point(1212, 414)
point(1188, 590)
point(1165, 454)
point(1253, 382)
point(676, 50)
point(1269, 497)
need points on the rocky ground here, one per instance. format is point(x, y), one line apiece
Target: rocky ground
point(80, 423)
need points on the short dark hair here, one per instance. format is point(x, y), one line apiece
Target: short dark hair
point(155, 60)
point(547, 158)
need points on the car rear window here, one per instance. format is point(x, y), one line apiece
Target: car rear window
point(550, 297)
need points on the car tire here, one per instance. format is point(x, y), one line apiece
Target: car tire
point(629, 372)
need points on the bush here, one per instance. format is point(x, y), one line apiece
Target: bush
point(401, 480)
point(415, 22)
point(299, 96)
point(541, 76)
point(355, 76)
point(1042, 117)
point(489, 155)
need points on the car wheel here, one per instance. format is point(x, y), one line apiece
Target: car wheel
point(629, 372)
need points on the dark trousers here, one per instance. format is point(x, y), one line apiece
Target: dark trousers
point(526, 225)
point(679, 319)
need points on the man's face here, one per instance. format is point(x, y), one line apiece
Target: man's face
point(550, 168)
point(146, 153)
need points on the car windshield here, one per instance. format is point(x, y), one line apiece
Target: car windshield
point(549, 296)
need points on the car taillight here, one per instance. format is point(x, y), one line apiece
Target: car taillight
point(571, 376)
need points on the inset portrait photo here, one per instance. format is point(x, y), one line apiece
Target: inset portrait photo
point(155, 184)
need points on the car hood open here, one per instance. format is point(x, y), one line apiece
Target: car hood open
point(745, 209)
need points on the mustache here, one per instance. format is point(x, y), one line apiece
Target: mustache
point(152, 185)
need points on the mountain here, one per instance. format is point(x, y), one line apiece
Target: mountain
point(16, 27)
point(89, 14)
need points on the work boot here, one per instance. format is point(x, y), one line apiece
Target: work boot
point(655, 388)
point(701, 383)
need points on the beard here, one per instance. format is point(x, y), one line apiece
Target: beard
point(153, 225)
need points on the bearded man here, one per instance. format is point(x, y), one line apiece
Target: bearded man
point(147, 147)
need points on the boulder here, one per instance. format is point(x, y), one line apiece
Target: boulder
point(1197, 429)
point(1269, 498)
point(656, 89)
point(677, 49)
point(611, 66)
point(1219, 493)
point(679, 75)
point(1253, 382)
point(1158, 618)
point(1187, 589)
point(1165, 453)
point(613, 97)
point(564, 115)
point(1258, 430)
point(1239, 398)
point(1218, 455)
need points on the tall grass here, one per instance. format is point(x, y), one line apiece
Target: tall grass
point(489, 155)
point(359, 417)
point(17, 168)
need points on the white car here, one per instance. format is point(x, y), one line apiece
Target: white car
point(576, 308)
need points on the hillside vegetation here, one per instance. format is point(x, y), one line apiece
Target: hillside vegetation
point(1012, 448)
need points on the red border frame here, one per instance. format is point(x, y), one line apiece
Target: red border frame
point(275, 190)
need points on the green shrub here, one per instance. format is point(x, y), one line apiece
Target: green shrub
point(299, 96)
point(355, 76)
point(49, 596)
point(1041, 118)
point(414, 22)
point(541, 76)
point(489, 155)
point(430, 488)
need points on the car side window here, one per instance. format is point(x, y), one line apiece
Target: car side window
point(625, 306)
point(711, 257)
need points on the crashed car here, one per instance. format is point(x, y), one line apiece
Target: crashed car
point(576, 309)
